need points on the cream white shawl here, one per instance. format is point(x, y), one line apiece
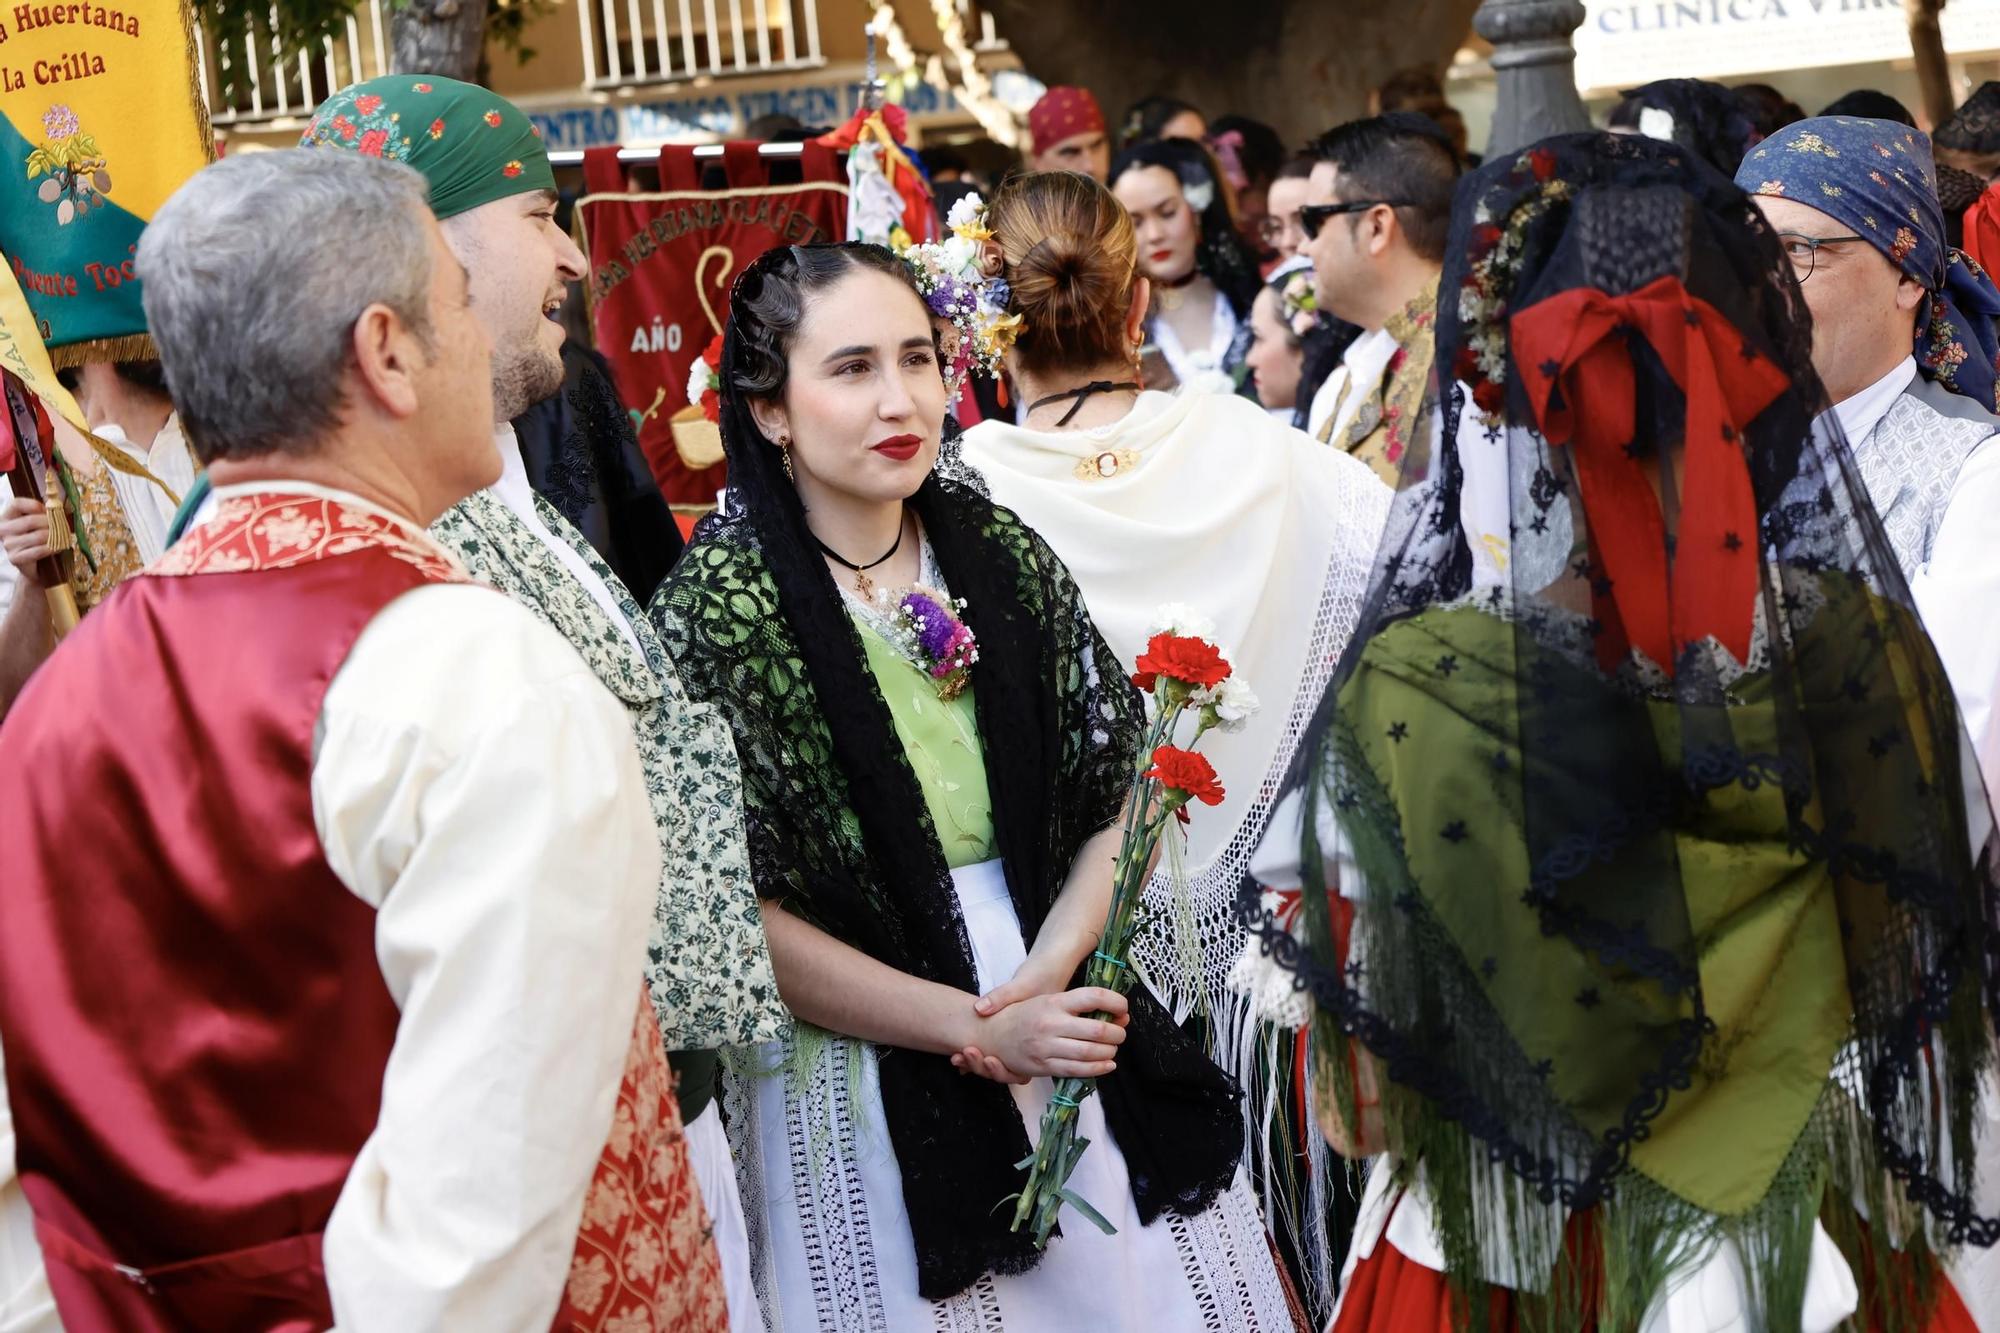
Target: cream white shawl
point(1250, 523)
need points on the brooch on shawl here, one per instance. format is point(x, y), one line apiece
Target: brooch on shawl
point(926, 629)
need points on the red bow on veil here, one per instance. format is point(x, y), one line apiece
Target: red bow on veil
point(1572, 353)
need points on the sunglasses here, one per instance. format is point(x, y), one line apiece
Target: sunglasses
point(1313, 216)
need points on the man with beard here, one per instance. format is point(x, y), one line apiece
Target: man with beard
point(493, 192)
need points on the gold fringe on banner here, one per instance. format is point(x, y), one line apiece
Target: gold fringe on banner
point(130, 347)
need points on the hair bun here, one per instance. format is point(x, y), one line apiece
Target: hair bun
point(1071, 256)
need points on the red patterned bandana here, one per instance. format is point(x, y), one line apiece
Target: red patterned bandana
point(1063, 113)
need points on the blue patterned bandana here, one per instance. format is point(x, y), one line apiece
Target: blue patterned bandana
point(1876, 178)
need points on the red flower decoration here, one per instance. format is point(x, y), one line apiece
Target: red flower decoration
point(1542, 162)
point(511, 170)
point(344, 126)
point(1187, 772)
point(492, 118)
point(372, 142)
point(711, 405)
point(367, 104)
point(1193, 662)
point(437, 128)
point(1489, 396)
point(421, 87)
point(1485, 237)
point(1465, 364)
point(711, 355)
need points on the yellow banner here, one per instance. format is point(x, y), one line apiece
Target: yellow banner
point(101, 118)
point(23, 354)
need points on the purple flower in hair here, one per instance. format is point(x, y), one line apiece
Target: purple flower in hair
point(949, 298)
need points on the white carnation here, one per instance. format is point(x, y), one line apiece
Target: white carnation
point(1235, 704)
point(1199, 195)
point(965, 212)
point(1657, 123)
point(697, 381)
point(1182, 619)
point(961, 256)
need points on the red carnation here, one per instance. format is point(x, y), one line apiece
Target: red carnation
point(1542, 162)
point(711, 405)
point(711, 355)
point(1193, 662)
point(367, 103)
point(1465, 364)
point(1485, 237)
point(1186, 772)
point(372, 142)
point(1489, 396)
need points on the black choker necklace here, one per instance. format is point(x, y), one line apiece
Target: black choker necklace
point(863, 585)
point(1182, 281)
point(1095, 386)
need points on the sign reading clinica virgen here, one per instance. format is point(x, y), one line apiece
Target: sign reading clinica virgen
point(1624, 43)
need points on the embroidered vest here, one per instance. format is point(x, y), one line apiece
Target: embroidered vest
point(180, 968)
point(1391, 432)
point(1911, 460)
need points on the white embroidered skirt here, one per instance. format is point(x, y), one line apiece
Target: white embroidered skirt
point(831, 1242)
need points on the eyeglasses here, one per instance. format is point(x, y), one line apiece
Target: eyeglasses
point(1313, 216)
point(1803, 250)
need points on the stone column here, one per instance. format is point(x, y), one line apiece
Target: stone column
point(1535, 67)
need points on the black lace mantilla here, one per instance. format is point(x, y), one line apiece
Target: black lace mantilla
point(1544, 1009)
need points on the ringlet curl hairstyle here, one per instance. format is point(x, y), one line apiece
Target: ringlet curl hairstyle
point(771, 299)
point(1072, 258)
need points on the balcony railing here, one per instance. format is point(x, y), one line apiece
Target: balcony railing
point(248, 81)
point(633, 42)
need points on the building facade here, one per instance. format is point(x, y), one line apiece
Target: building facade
point(640, 73)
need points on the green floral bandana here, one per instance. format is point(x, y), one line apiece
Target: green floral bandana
point(471, 145)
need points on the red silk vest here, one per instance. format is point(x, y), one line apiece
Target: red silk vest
point(181, 973)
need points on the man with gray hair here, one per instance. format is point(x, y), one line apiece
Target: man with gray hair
point(333, 1025)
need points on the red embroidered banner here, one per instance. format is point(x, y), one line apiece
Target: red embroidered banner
point(661, 267)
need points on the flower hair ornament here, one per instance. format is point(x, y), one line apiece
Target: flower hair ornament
point(1298, 303)
point(1486, 294)
point(960, 278)
point(1198, 188)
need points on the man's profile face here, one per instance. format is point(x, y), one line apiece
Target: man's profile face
point(1088, 153)
point(521, 266)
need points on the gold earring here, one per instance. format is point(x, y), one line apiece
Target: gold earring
point(785, 458)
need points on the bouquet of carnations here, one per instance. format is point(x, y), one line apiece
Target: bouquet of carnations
point(1186, 680)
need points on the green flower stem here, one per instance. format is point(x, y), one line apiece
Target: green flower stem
point(1058, 1150)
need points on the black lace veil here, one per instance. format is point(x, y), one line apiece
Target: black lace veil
point(1673, 895)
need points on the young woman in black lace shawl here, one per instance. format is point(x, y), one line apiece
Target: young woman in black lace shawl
point(1648, 895)
point(919, 847)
